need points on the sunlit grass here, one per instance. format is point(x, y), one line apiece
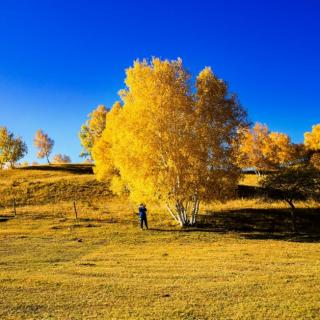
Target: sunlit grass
point(241, 204)
point(99, 269)
point(102, 266)
point(250, 180)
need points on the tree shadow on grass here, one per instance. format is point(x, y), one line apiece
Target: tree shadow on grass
point(72, 168)
point(5, 218)
point(259, 224)
point(199, 228)
point(307, 219)
point(267, 223)
point(297, 237)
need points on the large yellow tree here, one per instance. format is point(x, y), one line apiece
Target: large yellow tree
point(171, 141)
point(264, 150)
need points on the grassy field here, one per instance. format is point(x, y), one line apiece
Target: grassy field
point(101, 266)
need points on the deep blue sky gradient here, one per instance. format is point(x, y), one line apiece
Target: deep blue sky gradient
point(60, 59)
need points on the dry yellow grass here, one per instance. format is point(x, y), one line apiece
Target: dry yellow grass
point(60, 268)
point(102, 266)
point(250, 180)
point(242, 204)
point(50, 184)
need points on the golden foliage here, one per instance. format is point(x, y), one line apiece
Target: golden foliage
point(264, 150)
point(167, 142)
point(312, 139)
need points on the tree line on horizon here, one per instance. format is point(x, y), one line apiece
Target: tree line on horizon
point(13, 149)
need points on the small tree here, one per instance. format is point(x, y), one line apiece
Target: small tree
point(92, 130)
point(292, 184)
point(61, 159)
point(44, 144)
point(11, 149)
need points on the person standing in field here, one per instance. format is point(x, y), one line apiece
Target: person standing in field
point(143, 215)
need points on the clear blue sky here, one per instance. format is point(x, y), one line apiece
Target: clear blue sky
point(60, 59)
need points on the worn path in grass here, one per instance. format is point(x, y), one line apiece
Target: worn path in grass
point(65, 269)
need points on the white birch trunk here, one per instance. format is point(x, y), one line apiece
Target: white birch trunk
point(172, 214)
point(195, 210)
point(181, 214)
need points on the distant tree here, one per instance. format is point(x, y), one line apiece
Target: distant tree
point(292, 184)
point(264, 150)
point(92, 130)
point(44, 144)
point(312, 139)
point(61, 158)
point(171, 142)
point(12, 148)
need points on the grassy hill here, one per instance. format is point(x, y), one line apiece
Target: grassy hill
point(102, 266)
point(49, 184)
point(50, 191)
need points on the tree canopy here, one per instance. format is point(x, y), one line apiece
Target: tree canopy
point(171, 141)
point(264, 150)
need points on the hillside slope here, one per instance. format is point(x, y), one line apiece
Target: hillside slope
point(49, 184)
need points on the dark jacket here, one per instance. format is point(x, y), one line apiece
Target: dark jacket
point(142, 212)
